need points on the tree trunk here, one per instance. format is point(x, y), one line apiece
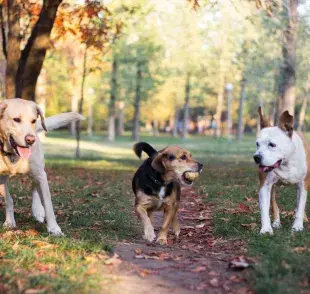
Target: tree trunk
point(186, 107)
point(302, 113)
point(136, 122)
point(155, 128)
point(220, 100)
point(41, 95)
point(90, 116)
point(111, 127)
point(240, 118)
point(74, 108)
point(78, 124)
point(120, 118)
point(32, 56)
point(13, 48)
point(176, 121)
point(287, 95)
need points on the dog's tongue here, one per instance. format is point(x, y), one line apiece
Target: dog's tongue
point(24, 152)
point(264, 169)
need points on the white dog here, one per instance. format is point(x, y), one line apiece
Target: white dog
point(22, 152)
point(283, 156)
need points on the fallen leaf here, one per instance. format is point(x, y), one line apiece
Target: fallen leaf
point(199, 269)
point(144, 273)
point(35, 291)
point(200, 226)
point(214, 282)
point(239, 263)
point(301, 249)
point(43, 244)
point(114, 260)
point(251, 226)
point(138, 251)
point(243, 208)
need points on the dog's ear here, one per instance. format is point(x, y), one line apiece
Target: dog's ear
point(39, 111)
point(264, 123)
point(3, 106)
point(157, 163)
point(286, 123)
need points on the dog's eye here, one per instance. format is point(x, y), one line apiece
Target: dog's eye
point(17, 119)
point(33, 121)
point(183, 157)
point(272, 145)
point(257, 144)
point(171, 157)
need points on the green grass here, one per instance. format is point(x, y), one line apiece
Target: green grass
point(94, 206)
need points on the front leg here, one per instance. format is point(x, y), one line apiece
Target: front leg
point(168, 218)
point(9, 205)
point(42, 187)
point(298, 224)
point(142, 213)
point(38, 211)
point(264, 205)
point(275, 209)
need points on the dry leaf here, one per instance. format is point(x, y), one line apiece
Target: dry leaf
point(251, 226)
point(239, 263)
point(114, 260)
point(199, 269)
point(214, 282)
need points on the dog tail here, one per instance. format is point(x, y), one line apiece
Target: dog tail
point(59, 120)
point(142, 146)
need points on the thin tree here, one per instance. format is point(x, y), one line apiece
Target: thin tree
point(186, 106)
point(240, 112)
point(136, 120)
point(112, 103)
point(287, 86)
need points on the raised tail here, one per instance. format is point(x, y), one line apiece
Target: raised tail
point(142, 146)
point(59, 120)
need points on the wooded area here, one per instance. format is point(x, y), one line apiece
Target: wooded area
point(159, 66)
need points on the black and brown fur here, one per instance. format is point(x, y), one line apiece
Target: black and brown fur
point(156, 185)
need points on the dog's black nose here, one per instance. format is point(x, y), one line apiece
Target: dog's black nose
point(200, 166)
point(257, 158)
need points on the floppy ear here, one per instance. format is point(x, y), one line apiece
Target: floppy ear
point(39, 111)
point(286, 123)
point(157, 163)
point(3, 106)
point(264, 123)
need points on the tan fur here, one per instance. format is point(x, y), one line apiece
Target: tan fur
point(145, 205)
point(27, 112)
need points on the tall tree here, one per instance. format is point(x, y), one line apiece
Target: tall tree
point(287, 86)
point(186, 105)
point(136, 119)
point(24, 66)
point(112, 102)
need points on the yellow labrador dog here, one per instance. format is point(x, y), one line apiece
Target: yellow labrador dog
point(21, 152)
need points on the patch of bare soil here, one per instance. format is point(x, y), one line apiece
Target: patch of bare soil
point(196, 262)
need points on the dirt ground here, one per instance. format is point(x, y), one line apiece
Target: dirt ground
point(196, 262)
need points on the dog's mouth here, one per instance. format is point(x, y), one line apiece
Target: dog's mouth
point(189, 177)
point(21, 151)
point(267, 169)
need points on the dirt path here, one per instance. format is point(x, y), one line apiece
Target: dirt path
point(196, 262)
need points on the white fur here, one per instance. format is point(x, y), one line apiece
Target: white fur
point(42, 207)
point(293, 170)
point(57, 121)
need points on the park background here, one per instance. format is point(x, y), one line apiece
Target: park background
point(191, 73)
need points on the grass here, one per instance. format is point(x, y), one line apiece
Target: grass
point(94, 206)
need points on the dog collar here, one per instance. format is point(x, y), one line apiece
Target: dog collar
point(156, 181)
point(5, 153)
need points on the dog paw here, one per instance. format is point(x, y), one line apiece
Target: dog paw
point(265, 230)
point(177, 231)
point(276, 224)
point(162, 240)
point(39, 214)
point(298, 227)
point(9, 224)
point(55, 231)
point(149, 234)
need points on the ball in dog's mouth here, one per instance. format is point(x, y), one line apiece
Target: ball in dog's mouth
point(189, 177)
point(267, 169)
